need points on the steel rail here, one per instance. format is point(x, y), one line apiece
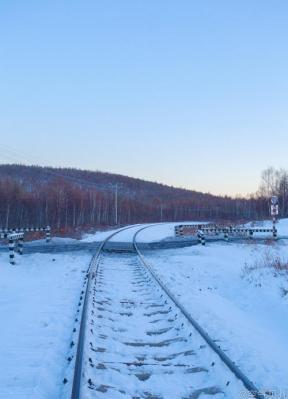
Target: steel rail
point(253, 390)
point(76, 387)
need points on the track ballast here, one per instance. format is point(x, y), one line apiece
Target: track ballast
point(139, 344)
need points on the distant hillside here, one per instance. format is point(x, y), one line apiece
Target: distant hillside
point(102, 182)
point(66, 197)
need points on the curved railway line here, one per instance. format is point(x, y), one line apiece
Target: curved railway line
point(137, 341)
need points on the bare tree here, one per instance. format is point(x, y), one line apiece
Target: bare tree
point(268, 182)
point(282, 189)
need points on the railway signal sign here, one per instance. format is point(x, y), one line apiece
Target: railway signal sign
point(274, 200)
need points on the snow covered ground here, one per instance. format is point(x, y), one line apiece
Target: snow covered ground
point(229, 288)
point(238, 299)
point(98, 236)
point(282, 226)
point(155, 232)
point(123, 236)
point(160, 231)
point(38, 302)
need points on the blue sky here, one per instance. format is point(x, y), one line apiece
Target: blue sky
point(189, 93)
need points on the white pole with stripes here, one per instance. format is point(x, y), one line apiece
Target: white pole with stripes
point(20, 245)
point(48, 234)
point(15, 238)
point(274, 213)
point(11, 251)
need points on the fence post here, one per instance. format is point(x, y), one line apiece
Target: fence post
point(203, 241)
point(226, 236)
point(251, 234)
point(201, 237)
point(48, 234)
point(11, 251)
point(177, 231)
point(20, 246)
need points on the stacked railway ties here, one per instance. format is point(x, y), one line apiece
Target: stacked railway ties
point(134, 336)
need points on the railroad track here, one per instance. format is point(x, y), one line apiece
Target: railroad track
point(136, 341)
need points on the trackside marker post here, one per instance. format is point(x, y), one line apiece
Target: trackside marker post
point(201, 237)
point(203, 241)
point(48, 234)
point(11, 251)
point(16, 239)
point(13, 239)
point(274, 213)
point(20, 246)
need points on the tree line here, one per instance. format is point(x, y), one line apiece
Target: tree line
point(65, 201)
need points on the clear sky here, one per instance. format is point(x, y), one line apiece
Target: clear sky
point(189, 93)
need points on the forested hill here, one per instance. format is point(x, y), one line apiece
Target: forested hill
point(66, 197)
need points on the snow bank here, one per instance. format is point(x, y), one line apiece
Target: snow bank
point(98, 235)
point(38, 302)
point(125, 236)
point(54, 240)
point(244, 308)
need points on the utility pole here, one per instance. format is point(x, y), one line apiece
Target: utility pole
point(116, 204)
point(161, 212)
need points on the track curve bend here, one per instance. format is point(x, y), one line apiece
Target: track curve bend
point(136, 341)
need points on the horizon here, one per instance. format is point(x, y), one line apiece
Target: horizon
point(147, 90)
